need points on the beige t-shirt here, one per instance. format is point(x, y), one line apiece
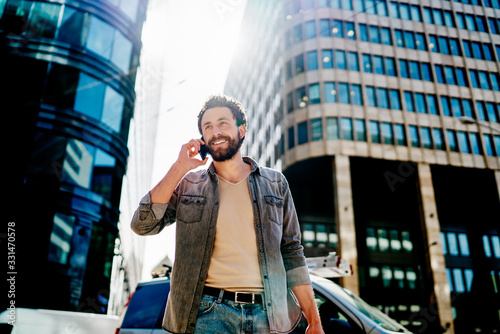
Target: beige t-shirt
point(235, 264)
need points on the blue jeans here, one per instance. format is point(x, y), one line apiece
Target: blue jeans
point(221, 316)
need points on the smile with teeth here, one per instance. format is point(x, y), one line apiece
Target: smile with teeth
point(219, 142)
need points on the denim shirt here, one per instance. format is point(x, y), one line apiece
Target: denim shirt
point(194, 205)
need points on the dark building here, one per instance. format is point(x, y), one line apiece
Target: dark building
point(385, 117)
point(67, 73)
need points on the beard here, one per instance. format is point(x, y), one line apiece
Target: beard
point(223, 154)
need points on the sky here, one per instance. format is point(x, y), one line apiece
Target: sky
point(196, 40)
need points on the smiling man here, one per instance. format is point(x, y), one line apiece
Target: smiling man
point(238, 253)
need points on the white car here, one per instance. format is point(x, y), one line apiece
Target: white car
point(341, 311)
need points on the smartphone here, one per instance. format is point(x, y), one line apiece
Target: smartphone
point(203, 150)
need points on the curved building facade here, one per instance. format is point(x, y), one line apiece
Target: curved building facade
point(384, 116)
point(70, 69)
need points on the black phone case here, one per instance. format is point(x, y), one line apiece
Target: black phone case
point(203, 150)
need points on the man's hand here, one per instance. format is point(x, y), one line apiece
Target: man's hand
point(186, 161)
point(187, 156)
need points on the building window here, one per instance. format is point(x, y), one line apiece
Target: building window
point(344, 94)
point(367, 63)
point(387, 134)
point(488, 144)
point(310, 29)
point(425, 135)
point(395, 99)
point(301, 97)
point(330, 92)
point(474, 142)
point(332, 128)
point(327, 58)
point(60, 238)
point(360, 127)
point(463, 142)
point(370, 96)
point(390, 66)
point(316, 129)
point(491, 246)
point(353, 61)
point(299, 64)
point(410, 106)
point(312, 60)
point(375, 131)
point(399, 133)
point(324, 26)
point(431, 104)
point(382, 98)
point(340, 59)
point(291, 137)
point(314, 94)
point(383, 240)
point(302, 136)
point(437, 138)
point(414, 137)
point(347, 130)
point(452, 141)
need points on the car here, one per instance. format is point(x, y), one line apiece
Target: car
point(41, 321)
point(341, 311)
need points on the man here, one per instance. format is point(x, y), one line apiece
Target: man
point(238, 248)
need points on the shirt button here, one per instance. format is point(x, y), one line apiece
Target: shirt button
point(262, 251)
point(268, 304)
point(258, 225)
point(250, 181)
point(265, 276)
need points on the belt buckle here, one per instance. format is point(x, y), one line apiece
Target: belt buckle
point(236, 294)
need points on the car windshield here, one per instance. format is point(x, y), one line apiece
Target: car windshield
point(347, 297)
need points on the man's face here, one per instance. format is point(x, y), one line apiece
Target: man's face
point(222, 135)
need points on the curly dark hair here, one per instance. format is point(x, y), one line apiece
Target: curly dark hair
point(221, 100)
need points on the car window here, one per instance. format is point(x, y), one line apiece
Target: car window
point(147, 306)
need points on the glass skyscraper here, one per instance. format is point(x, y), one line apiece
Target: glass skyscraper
point(385, 118)
point(68, 72)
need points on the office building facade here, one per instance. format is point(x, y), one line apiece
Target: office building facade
point(69, 70)
point(384, 116)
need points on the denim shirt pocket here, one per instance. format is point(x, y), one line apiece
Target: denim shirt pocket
point(274, 208)
point(191, 208)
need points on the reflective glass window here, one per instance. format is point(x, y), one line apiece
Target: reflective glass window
point(467, 49)
point(338, 29)
point(433, 44)
point(480, 111)
point(410, 106)
point(374, 131)
point(461, 78)
point(288, 70)
point(60, 238)
point(370, 96)
point(403, 68)
point(353, 61)
point(340, 59)
point(382, 8)
point(300, 97)
point(439, 73)
point(496, 140)
point(395, 99)
point(122, 51)
point(327, 58)
point(491, 111)
point(399, 37)
point(90, 96)
point(454, 47)
point(463, 142)
point(394, 9)
point(425, 135)
point(347, 130)
point(113, 109)
point(100, 37)
point(356, 95)
point(437, 137)
point(299, 64)
point(297, 33)
point(452, 141)
point(477, 50)
point(404, 11)
point(456, 107)
point(43, 20)
point(467, 108)
point(420, 41)
point(386, 276)
point(374, 34)
point(15, 15)
point(437, 16)
point(78, 162)
point(409, 39)
point(314, 94)
point(302, 136)
point(443, 45)
point(344, 95)
point(415, 13)
point(445, 106)
point(483, 80)
point(488, 145)
point(495, 242)
point(426, 72)
point(291, 137)
point(469, 276)
point(399, 133)
point(324, 27)
point(289, 102)
point(71, 29)
point(481, 24)
point(390, 66)
point(463, 244)
point(387, 133)
point(330, 92)
point(363, 32)
point(474, 79)
point(450, 75)
point(448, 19)
point(494, 81)
point(474, 142)
point(488, 52)
point(414, 138)
point(385, 35)
point(130, 8)
point(378, 65)
point(461, 21)
point(360, 127)
point(415, 70)
point(310, 29)
point(371, 239)
point(430, 99)
point(332, 128)
point(316, 129)
point(458, 280)
point(406, 241)
point(382, 98)
point(367, 63)
point(350, 30)
point(312, 60)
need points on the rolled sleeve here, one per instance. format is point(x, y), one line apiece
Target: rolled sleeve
point(149, 218)
point(298, 276)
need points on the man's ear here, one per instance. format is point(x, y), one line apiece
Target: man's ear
point(242, 130)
